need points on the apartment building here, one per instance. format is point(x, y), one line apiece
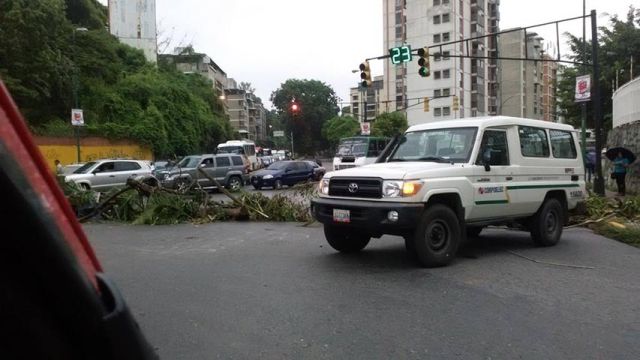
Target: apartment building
point(549, 85)
point(528, 87)
point(421, 23)
point(133, 22)
point(188, 61)
point(247, 114)
point(371, 96)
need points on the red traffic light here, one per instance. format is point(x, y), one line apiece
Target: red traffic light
point(294, 107)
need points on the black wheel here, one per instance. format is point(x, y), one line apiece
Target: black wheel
point(437, 237)
point(474, 231)
point(346, 240)
point(257, 187)
point(234, 183)
point(277, 185)
point(546, 225)
point(85, 187)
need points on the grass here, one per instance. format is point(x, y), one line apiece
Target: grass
point(629, 234)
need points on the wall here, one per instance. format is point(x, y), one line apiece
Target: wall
point(626, 107)
point(92, 148)
point(627, 136)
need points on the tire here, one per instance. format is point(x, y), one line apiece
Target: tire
point(257, 187)
point(474, 231)
point(277, 185)
point(85, 187)
point(437, 237)
point(346, 240)
point(546, 224)
point(234, 183)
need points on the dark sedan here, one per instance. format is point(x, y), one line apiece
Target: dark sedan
point(318, 170)
point(282, 173)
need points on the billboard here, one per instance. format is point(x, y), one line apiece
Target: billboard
point(134, 23)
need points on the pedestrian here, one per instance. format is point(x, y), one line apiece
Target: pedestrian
point(620, 165)
point(590, 163)
point(59, 169)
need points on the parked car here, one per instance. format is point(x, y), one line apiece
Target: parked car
point(318, 170)
point(282, 173)
point(443, 181)
point(69, 169)
point(103, 175)
point(228, 169)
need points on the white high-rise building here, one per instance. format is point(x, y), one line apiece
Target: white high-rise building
point(133, 22)
point(421, 23)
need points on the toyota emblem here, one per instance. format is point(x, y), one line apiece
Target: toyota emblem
point(353, 188)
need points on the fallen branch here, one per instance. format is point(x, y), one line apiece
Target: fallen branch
point(231, 196)
point(103, 206)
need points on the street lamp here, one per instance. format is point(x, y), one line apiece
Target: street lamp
point(76, 130)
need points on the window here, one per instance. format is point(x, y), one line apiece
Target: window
point(446, 36)
point(436, 19)
point(445, 55)
point(222, 161)
point(437, 93)
point(562, 144)
point(446, 111)
point(494, 145)
point(437, 112)
point(436, 75)
point(207, 162)
point(127, 166)
point(437, 57)
point(106, 167)
point(237, 161)
point(445, 2)
point(453, 144)
point(446, 74)
point(446, 92)
point(446, 18)
point(533, 142)
point(436, 38)
point(436, 2)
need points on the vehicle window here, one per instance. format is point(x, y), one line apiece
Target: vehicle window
point(127, 166)
point(237, 161)
point(189, 162)
point(222, 161)
point(84, 168)
point(281, 165)
point(249, 150)
point(231, 150)
point(442, 145)
point(373, 148)
point(106, 167)
point(208, 162)
point(533, 142)
point(495, 144)
point(562, 144)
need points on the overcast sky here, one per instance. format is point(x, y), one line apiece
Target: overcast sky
point(266, 42)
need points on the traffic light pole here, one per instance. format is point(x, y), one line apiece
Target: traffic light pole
point(598, 183)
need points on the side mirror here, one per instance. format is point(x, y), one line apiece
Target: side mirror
point(486, 160)
point(203, 165)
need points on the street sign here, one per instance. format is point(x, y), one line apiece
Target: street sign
point(400, 54)
point(365, 128)
point(77, 118)
point(278, 133)
point(583, 88)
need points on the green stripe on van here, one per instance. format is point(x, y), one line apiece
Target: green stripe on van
point(492, 202)
point(523, 187)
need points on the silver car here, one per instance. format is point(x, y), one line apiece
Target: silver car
point(228, 169)
point(102, 175)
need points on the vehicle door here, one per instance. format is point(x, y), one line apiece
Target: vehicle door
point(103, 176)
point(209, 167)
point(491, 174)
point(223, 165)
point(289, 174)
point(125, 170)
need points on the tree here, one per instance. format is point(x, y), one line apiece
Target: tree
point(318, 103)
point(246, 86)
point(389, 124)
point(340, 127)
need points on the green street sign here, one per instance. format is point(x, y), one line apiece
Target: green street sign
point(400, 54)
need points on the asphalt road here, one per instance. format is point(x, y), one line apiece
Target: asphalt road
point(277, 291)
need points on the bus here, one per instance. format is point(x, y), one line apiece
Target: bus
point(358, 151)
point(243, 147)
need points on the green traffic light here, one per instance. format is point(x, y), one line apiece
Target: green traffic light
point(424, 71)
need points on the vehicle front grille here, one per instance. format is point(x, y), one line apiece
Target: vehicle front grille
point(340, 167)
point(362, 187)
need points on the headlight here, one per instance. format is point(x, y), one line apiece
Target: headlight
point(391, 189)
point(267, 177)
point(323, 186)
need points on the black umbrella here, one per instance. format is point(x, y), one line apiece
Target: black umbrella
point(613, 153)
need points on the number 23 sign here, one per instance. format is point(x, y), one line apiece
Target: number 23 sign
point(400, 54)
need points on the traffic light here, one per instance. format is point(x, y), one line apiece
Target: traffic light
point(365, 74)
point(425, 103)
point(294, 107)
point(456, 103)
point(424, 70)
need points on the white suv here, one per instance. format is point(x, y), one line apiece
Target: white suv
point(102, 175)
point(443, 181)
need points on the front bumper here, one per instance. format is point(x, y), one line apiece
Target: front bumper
point(262, 182)
point(369, 215)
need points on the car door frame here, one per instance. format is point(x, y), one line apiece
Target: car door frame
point(101, 180)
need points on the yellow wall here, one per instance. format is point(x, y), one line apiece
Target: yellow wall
point(90, 149)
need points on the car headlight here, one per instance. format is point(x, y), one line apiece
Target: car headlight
point(323, 186)
point(267, 177)
point(391, 189)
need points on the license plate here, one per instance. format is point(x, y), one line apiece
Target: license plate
point(343, 216)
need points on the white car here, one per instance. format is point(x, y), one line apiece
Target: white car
point(102, 175)
point(443, 181)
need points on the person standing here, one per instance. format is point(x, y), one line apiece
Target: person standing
point(59, 169)
point(590, 164)
point(620, 165)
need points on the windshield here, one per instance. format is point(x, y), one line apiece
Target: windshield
point(440, 145)
point(277, 166)
point(231, 150)
point(84, 168)
point(352, 147)
point(189, 162)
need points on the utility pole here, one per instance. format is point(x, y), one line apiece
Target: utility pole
point(76, 128)
point(584, 70)
point(598, 183)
